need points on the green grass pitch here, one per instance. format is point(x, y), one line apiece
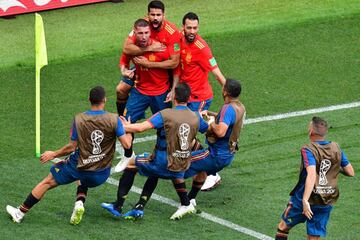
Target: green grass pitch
point(289, 56)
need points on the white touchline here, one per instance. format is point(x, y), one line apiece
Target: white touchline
point(204, 215)
point(247, 121)
point(266, 119)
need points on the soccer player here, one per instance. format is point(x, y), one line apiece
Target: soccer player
point(92, 144)
point(166, 37)
point(317, 191)
point(196, 63)
point(151, 84)
point(171, 156)
point(222, 138)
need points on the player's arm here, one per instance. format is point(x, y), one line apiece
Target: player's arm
point(309, 186)
point(65, 150)
point(346, 167)
point(124, 64)
point(132, 49)
point(125, 140)
point(138, 127)
point(170, 63)
point(219, 76)
point(176, 78)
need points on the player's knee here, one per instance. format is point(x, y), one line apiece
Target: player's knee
point(49, 182)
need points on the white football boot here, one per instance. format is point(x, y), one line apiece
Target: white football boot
point(211, 182)
point(123, 163)
point(182, 211)
point(77, 213)
point(15, 213)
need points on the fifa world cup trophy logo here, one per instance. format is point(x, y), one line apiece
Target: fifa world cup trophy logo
point(324, 168)
point(97, 137)
point(184, 131)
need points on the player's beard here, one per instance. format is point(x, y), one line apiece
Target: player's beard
point(157, 23)
point(190, 37)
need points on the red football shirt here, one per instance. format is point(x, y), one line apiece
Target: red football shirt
point(196, 62)
point(168, 34)
point(150, 81)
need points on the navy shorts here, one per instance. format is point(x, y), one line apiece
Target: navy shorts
point(66, 172)
point(200, 106)
point(316, 226)
point(156, 167)
point(129, 81)
point(138, 103)
point(203, 161)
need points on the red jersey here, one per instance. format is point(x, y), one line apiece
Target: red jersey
point(168, 34)
point(196, 62)
point(150, 81)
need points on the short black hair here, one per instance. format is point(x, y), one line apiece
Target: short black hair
point(232, 87)
point(182, 93)
point(319, 125)
point(157, 5)
point(141, 23)
point(97, 95)
point(190, 16)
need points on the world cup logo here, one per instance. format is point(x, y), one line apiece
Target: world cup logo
point(184, 131)
point(97, 137)
point(324, 168)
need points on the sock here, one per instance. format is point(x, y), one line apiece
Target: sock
point(146, 193)
point(125, 183)
point(81, 193)
point(182, 193)
point(128, 152)
point(196, 187)
point(281, 235)
point(29, 203)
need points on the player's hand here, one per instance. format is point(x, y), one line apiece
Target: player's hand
point(169, 96)
point(142, 61)
point(204, 113)
point(125, 121)
point(211, 120)
point(128, 73)
point(307, 210)
point(47, 156)
point(156, 47)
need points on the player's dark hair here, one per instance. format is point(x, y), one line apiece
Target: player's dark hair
point(141, 23)
point(97, 95)
point(157, 5)
point(190, 16)
point(320, 126)
point(232, 87)
point(182, 93)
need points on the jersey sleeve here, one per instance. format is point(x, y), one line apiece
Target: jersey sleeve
point(207, 60)
point(227, 115)
point(156, 120)
point(124, 60)
point(73, 132)
point(174, 43)
point(344, 159)
point(203, 125)
point(308, 157)
point(120, 128)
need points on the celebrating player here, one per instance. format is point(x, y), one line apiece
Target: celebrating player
point(92, 144)
point(317, 191)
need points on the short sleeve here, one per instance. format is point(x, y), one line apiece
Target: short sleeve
point(344, 160)
point(308, 157)
point(174, 43)
point(120, 128)
point(73, 132)
point(207, 60)
point(156, 120)
point(227, 115)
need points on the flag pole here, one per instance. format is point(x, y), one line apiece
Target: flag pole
point(40, 61)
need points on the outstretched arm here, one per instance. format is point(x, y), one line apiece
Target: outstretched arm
point(135, 127)
point(65, 150)
point(348, 170)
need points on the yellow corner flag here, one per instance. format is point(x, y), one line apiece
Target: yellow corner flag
point(40, 61)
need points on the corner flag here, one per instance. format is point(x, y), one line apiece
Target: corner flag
point(40, 61)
